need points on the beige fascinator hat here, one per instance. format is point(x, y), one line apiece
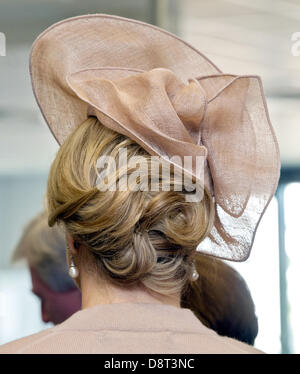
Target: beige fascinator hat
point(152, 86)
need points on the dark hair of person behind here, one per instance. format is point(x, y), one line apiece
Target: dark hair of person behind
point(221, 300)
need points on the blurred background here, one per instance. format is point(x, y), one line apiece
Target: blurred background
point(240, 37)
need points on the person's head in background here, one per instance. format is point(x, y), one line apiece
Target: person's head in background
point(43, 248)
point(221, 300)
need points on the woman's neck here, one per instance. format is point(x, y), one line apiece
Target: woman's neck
point(96, 292)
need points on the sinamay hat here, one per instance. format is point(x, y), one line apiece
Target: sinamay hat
point(152, 86)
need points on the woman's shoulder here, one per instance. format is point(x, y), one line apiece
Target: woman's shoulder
point(17, 346)
point(227, 345)
point(129, 328)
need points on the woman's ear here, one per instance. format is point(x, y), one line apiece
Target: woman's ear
point(71, 244)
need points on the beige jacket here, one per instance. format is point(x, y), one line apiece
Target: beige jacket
point(129, 328)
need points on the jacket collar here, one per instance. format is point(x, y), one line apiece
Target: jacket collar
point(135, 317)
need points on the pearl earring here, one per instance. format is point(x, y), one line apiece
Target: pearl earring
point(73, 270)
point(195, 274)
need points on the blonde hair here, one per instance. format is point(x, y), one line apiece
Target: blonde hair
point(135, 237)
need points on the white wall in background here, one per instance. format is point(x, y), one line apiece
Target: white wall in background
point(20, 313)
point(261, 272)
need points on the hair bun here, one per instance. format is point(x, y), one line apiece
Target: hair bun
point(135, 235)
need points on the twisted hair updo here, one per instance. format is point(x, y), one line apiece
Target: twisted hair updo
point(134, 236)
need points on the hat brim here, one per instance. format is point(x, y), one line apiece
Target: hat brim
point(101, 40)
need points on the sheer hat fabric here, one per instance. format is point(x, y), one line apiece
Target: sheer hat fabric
point(152, 86)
